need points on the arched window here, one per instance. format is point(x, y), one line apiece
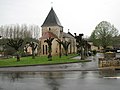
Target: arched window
point(43, 49)
point(49, 29)
point(46, 49)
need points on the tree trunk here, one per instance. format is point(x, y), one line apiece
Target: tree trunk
point(60, 51)
point(33, 54)
point(18, 57)
point(66, 51)
point(82, 54)
point(49, 55)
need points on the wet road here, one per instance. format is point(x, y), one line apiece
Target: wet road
point(75, 80)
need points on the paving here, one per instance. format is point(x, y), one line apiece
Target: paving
point(93, 65)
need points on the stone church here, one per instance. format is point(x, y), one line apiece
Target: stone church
point(52, 27)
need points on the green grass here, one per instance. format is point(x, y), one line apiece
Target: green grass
point(42, 60)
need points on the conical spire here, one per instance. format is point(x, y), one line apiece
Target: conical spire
point(51, 19)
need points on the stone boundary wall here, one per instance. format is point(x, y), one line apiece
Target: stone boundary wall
point(109, 63)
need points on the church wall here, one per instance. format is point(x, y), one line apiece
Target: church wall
point(72, 47)
point(44, 47)
point(54, 29)
point(55, 47)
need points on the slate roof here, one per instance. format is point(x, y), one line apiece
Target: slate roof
point(51, 19)
point(67, 35)
point(47, 35)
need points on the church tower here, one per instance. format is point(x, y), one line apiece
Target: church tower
point(52, 27)
point(52, 24)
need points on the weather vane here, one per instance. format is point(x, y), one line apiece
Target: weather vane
point(51, 4)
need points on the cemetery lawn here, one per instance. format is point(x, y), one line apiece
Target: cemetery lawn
point(41, 60)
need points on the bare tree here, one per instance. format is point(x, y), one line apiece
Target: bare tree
point(33, 45)
point(16, 30)
point(16, 44)
point(49, 42)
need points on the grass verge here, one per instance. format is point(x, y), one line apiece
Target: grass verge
point(42, 60)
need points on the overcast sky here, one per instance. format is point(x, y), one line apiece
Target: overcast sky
point(80, 16)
